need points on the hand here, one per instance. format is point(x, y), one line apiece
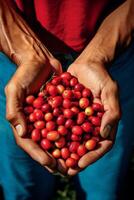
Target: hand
point(104, 90)
point(35, 63)
point(27, 80)
point(114, 34)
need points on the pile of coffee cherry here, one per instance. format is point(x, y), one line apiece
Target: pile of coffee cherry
point(64, 119)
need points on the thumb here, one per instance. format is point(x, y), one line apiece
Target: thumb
point(108, 124)
point(112, 113)
point(14, 113)
point(20, 124)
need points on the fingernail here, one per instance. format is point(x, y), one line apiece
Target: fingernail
point(19, 130)
point(106, 131)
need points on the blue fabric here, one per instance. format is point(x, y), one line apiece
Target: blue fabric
point(23, 179)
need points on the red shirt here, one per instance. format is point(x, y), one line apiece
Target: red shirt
point(64, 24)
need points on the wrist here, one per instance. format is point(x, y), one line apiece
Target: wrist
point(114, 34)
point(101, 48)
point(98, 51)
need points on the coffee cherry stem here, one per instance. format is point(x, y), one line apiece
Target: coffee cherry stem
point(44, 85)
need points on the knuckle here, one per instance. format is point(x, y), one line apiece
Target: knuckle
point(10, 117)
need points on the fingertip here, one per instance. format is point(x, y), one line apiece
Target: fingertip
point(92, 156)
point(82, 164)
point(62, 166)
point(73, 172)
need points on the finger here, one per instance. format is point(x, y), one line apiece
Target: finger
point(14, 112)
point(94, 155)
point(19, 123)
point(73, 172)
point(35, 151)
point(111, 116)
point(52, 171)
point(61, 166)
point(60, 169)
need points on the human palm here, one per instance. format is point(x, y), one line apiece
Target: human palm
point(104, 90)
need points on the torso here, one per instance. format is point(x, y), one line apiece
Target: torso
point(65, 25)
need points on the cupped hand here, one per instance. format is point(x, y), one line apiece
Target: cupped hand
point(35, 64)
point(105, 90)
point(28, 78)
